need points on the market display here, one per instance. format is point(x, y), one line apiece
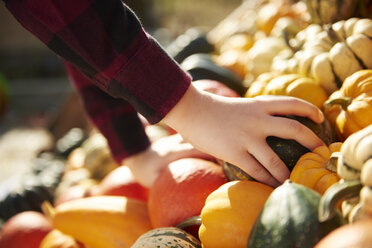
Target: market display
point(319, 51)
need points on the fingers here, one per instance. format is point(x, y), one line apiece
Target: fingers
point(253, 168)
point(271, 161)
point(286, 128)
point(284, 105)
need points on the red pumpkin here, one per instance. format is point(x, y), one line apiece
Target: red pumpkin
point(121, 182)
point(181, 189)
point(25, 230)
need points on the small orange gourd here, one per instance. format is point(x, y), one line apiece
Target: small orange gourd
point(316, 169)
point(350, 108)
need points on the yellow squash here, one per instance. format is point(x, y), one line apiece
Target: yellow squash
point(230, 212)
point(101, 221)
point(296, 85)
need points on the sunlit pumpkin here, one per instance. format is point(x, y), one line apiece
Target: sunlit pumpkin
point(317, 169)
point(350, 108)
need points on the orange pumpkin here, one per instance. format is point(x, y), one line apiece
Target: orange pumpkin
point(316, 170)
point(350, 108)
point(181, 189)
point(230, 212)
point(357, 234)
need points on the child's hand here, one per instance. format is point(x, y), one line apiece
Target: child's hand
point(235, 129)
point(147, 165)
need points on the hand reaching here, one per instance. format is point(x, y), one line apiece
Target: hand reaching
point(235, 129)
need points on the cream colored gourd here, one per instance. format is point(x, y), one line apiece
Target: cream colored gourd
point(354, 167)
point(330, 53)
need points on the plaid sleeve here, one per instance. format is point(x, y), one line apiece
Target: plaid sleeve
point(116, 119)
point(105, 40)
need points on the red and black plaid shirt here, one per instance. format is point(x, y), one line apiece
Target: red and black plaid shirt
point(127, 72)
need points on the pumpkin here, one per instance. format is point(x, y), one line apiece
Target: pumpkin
point(163, 237)
point(317, 170)
point(289, 218)
point(120, 182)
point(101, 221)
point(180, 190)
point(290, 151)
point(57, 239)
point(229, 213)
point(295, 85)
point(350, 108)
point(325, 11)
point(25, 230)
point(329, 54)
point(355, 168)
point(351, 235)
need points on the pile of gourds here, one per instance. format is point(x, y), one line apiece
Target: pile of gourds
point(316, 50)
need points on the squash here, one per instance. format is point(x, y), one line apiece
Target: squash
point(351, 235)
point(317, 170)
point(229, 213)
point(101, 221)
point(28, 191)
point(57, 239)
point(202, 66)
point(289, 218)
point(180, 190)
point(329, 54)
point(163, 237)
point(355, 168)
point(25, 230)
point(325, 11)
point(350, 108)
point(289, 151)
point(296, 85)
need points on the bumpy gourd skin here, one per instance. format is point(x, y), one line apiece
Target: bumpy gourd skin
point(290, 219)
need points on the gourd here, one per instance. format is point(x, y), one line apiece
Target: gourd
point(101, 221)
point(350, 108)
point(355, 169)
point(351, 235)
point(296, 85)
point(317, 170)
point(330, 53)
point(326, 11)
point(57, 239)
point(181, 189)
point(289, 151)
point(28, 191)
point(229, 213)
point(289, 218)
point(163, 237)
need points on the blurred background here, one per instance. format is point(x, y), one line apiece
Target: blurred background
point(34, 84)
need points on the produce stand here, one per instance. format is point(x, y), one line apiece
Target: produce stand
point(318, 51)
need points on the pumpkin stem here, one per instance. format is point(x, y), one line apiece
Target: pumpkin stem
point(343, 101)
point(48, 209)
point(192, 221)
point(339, 191)
point(332, 162)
